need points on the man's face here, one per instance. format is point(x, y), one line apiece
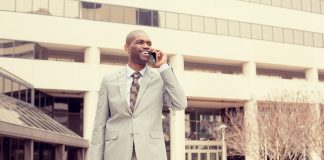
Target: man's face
point(138, 47)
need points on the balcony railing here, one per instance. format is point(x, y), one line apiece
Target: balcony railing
point(204, 150)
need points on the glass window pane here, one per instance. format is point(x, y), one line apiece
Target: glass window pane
point(88, 10)
point(155, 18)
point(24, 49)
point(308, 39)
point(102, 13)
point(266, 2)
point(322, 7)
point(298, 37)
point(145, 17)
point(255, 1)
point(40, 7)
point(56, 7)
point(117, 14)
point(15, 90)
point(256, 31)
point(161, 16)
point(6, 48)
point(222, 26)
point(306, 6)
point(234, 28)
point(267, 33)
point(23, 5)
point(198, 23)
point(210, 25)
point(72, 9)
point(185, 22)
point(276, 3)
point(7, 86)
point(288, 35)
point(286, 3)
point(8, 5)
point(245, 29)
point(171, 20)
point(296, 4)
point(278, 34)
point(318, 40)
point(316, 6)
point(130, 15)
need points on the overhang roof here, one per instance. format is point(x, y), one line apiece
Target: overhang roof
point(21, 119)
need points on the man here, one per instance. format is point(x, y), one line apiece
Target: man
point(128, 122)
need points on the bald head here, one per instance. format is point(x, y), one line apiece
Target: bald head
point(131, 35)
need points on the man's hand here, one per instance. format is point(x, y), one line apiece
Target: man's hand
point(161, 58)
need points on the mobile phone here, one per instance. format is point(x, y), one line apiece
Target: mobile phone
point(152, 57)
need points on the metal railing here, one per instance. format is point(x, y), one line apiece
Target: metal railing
point(204, 150)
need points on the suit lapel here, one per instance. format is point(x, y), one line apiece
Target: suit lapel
point(148, 75)
point(122, 83)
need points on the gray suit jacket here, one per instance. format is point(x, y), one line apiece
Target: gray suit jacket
point(116, 128)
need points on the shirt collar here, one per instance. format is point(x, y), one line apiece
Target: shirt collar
point(130, 71)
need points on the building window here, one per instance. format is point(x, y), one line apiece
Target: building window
point(203, 124)
point(185, 22)
point(11, 148)
point(17, 49)
point(44, 151)
point(171, 20)
point(147, 17)
point(210, 25)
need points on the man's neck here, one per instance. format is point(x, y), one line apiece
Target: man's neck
point(136, 67)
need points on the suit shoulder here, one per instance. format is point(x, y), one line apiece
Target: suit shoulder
point(112, 76)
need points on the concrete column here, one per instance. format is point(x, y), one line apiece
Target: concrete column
point(312, 76)
point(29, 149)
point(80, 153)
point(251, 130)
point(177, 118)
point(249, 69)
point(59, 152)
point(250, 115)
point(89, 112)
point(92, 55)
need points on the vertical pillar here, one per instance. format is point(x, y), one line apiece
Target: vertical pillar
point(250, 115)
point(59, 152)
point(80, 154)
point(89, 112)
point(312, 76)
point(29, 149)
point(177, 118)
point(91, 57)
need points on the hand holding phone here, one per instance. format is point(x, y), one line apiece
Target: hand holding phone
point(157, 57)
point(152, 57)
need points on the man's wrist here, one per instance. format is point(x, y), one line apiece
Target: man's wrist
point(164, 67)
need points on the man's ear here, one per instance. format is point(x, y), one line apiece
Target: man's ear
point(126, 47)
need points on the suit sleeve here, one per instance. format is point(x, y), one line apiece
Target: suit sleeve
point(97, 144)
point(173, 95)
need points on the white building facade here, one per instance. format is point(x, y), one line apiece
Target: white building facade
point(227, 54)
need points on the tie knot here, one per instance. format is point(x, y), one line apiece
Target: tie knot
point(136, 75)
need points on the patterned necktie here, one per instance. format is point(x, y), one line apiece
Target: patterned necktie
point(134, 90)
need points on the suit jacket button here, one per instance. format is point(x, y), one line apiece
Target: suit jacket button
point(134, 116)
point(132, 134)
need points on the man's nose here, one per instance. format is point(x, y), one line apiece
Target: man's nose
point(146, 46)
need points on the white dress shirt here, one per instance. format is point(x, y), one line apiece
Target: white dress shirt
point(130, 71)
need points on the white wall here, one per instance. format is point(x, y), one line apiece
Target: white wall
point(84, 33)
